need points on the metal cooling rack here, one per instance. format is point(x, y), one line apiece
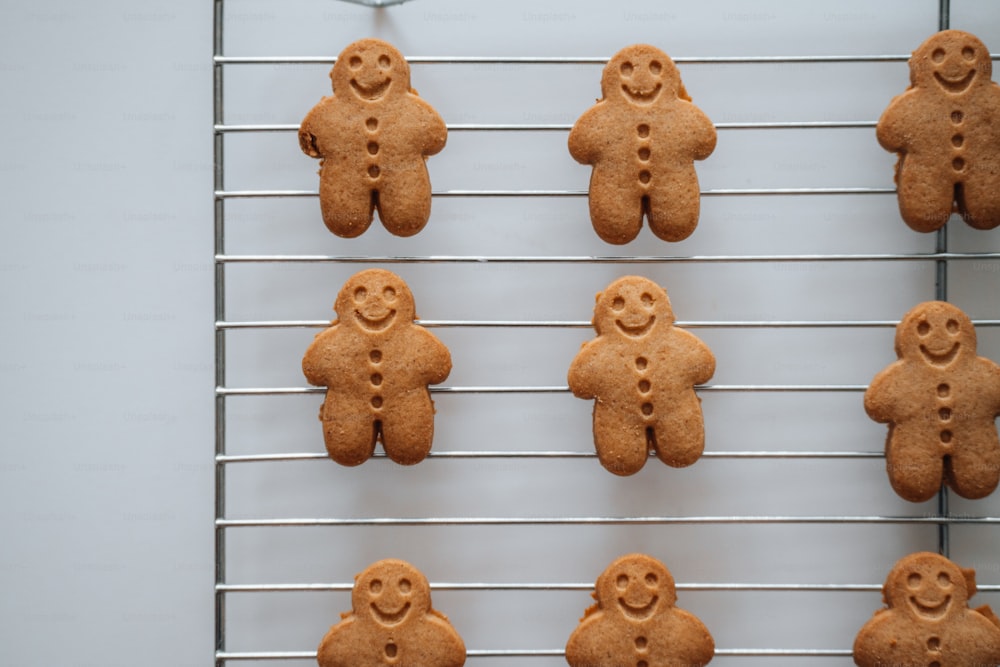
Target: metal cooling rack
point(292, 594)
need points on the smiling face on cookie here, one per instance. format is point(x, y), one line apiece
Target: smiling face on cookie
point(374, 300)
point(936, 333)
point(641, 75)
point(390, 592)
point(636, 586)
point(927, 586)
point(632, 307)
point(371, 70)
point(951, 61)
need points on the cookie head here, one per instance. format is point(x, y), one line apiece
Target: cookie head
point(927, 586)
point(636, 586)
point(641, 75)
point(936, 333)
point(951, 61)
point(370, 70)
point(375, 301)
point(390, 592)
point(632, 307)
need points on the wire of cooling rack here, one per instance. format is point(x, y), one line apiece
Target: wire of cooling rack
point(940, 257)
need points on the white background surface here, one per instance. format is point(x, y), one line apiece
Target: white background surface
point(106, 374)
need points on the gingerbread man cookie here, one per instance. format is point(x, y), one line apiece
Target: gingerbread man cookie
point(946, 130)
point(391, 622)
point(642, 370)
point(373, 137)
point(636, 622)
point(376, 365)
point(927, 621)
point(941, 402)
point(642, 139)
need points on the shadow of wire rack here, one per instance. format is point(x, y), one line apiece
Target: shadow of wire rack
point(795, 277)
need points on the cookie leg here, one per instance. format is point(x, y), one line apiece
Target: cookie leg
point(404, 200)
point(915, 468)
point(679, 435)
point(674, 207)
point(349, 434)
point(925, 198)
point(622, 444)
point(615, 207)
point(408, 428)
point(979, 200)
point(346, 203)
point(973, 471)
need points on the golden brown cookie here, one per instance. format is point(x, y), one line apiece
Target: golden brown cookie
point(642, 370)
point(946, 130)
point(642, 138)
point(376, 365)
point(941, 402)
point(391, 622)
point(636, 622)
point(927, 620)
point(373, 137)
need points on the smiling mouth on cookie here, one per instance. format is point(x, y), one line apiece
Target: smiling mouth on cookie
point(955, 85)
point(377, 324)
point(636, 330)
point(390, 617)
point(940, 358)
point(641, 96)
point(931, 611)
point(638, 613)
point(373, 92)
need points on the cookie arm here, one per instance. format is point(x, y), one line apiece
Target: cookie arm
point(872, 640)
point(892, 127)
point(443, 643)
point(983, 627)
point(695, 645)
point(432, 355)
point(308, 141)
point(433, 131)
point(703, 135)
point(993, 385)
point(584, 645)
point(583, 376)
point(881, 395)
point(585, 136)
point(989, 614)
point(331, 651)
point(314, 365)
point(700, 360)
